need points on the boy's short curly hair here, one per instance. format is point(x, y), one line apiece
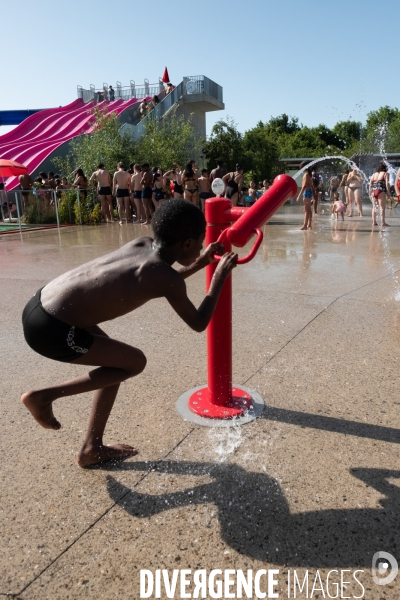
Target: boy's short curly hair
point(177, 220)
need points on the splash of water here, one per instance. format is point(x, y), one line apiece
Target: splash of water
point(225, 441)
point(351, 164)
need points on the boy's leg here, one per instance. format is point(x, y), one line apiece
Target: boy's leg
point(110, 207)
point(120, 209)
point(117, 362)
point(309, 220)
point(305, 202)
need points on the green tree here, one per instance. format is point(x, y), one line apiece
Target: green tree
point(106, 144)
point(283, 124)
point(167, 140)
point(225, 143)
point(350, 132)
point(384, 115)
point(260, 152)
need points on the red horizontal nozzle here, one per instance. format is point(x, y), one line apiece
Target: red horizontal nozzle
point(283, 188)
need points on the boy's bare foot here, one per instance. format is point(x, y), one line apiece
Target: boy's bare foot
point(302, 228)
point(40, 409)
point(93, 455)
point(385, 225)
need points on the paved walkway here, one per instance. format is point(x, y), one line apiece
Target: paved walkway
point(313, 484)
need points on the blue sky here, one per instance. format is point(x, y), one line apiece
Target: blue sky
point(319, 61)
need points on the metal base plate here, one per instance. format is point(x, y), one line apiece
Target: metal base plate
point(257, 407)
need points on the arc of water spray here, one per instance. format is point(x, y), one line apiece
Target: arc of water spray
point(351, 163)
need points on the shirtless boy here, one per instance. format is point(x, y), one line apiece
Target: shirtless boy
point(102, 176)
point(136, 188)
point(307, 192)
point(122, 189)
point(61, 320)
point(146, 182)
point(205, 187)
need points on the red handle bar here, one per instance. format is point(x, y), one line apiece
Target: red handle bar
point(253, 251)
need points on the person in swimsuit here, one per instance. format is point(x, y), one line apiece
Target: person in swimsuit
point(178, 189)
point(344, 187)
point(307, 192)
point(252, 192)
point(265, 187)
point(175, 177)
point(158, 189)
point(397, 187)
point(354, 182)
point(189, 182)
point(205, 187)
point(316, 188)
point(338, 208)
point(379, 190)
point(136, 188)
point(392, 172)
point(103, 180)
point(61, 321)
point(234, 184)
point(333, 188)
point(122, 189)
point(81, 183)
point(25, 182)
point(147, 192)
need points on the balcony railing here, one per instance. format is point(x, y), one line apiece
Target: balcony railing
point(121, 92)
point(203, 85)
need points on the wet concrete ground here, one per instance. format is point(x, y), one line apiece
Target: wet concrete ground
point(312, 485)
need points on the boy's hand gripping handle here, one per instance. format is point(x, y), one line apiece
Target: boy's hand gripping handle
point(253, 251)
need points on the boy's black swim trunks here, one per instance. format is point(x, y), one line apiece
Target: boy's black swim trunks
point(51, 337)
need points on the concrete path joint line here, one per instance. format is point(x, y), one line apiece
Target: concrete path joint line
point(100, 517)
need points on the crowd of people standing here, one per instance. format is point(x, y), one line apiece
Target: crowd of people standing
point(138, 190)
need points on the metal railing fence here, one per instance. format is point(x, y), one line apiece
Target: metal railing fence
point(121, 92)
point(47, 207)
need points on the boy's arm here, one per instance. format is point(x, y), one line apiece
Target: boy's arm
point(205, 258)
point(198, 319)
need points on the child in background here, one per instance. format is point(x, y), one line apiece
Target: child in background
point(338, 207)
point(252, 192)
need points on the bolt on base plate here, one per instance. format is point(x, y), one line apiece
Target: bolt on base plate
point(247, 405)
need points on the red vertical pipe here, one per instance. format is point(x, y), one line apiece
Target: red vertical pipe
point(219, 330)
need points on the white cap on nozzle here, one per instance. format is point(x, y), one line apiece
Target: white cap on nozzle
point(217, 186)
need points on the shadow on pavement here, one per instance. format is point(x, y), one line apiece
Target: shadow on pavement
point(255, 518)
point(302, 419)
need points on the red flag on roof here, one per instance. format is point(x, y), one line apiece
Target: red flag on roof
point(165, 77)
